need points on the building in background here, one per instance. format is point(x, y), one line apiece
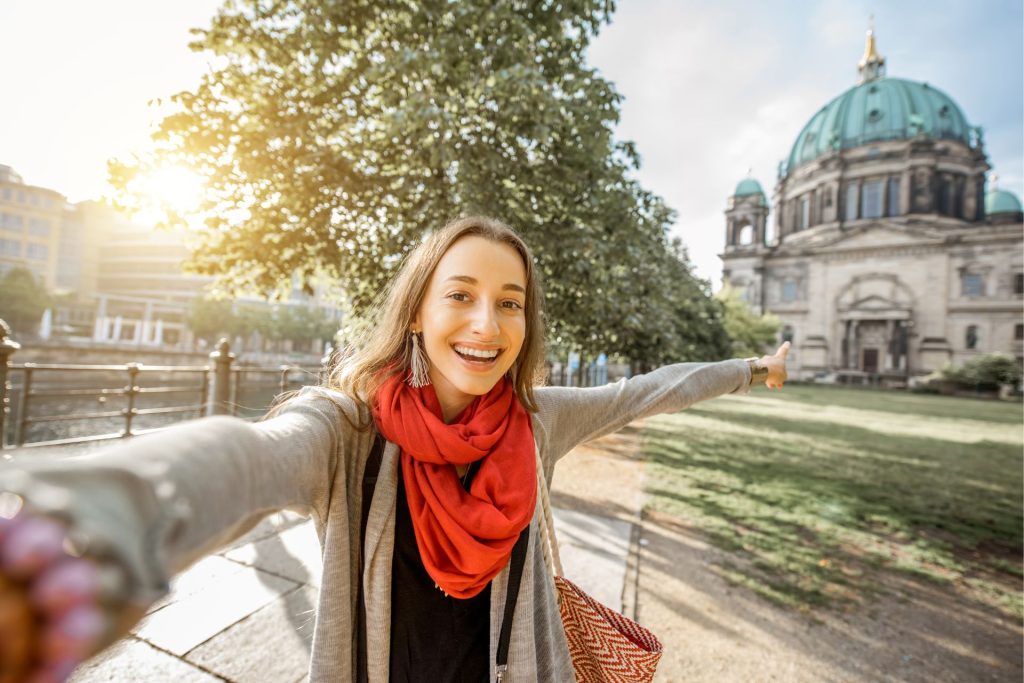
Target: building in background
point(116, 281)
point(887, 257)
point(30, 223)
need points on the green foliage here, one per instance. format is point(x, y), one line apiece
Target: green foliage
point(985, 373)
point(210, 319)
point(751, 335)
point(24, 300)
point(332, 136)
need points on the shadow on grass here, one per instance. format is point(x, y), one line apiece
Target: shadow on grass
point(814, 511)
point(923, 631)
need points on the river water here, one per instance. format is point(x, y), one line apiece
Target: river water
point(253, 396)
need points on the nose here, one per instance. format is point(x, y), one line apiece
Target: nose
point(485, 321)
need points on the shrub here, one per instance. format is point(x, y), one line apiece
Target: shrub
point(984, 373)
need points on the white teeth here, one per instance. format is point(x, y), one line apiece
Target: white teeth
point(477, 353)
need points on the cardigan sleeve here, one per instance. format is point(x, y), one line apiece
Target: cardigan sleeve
point(156, 503)
point(568, 416)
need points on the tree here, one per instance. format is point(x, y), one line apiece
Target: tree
point(210, 319)
point(24, 300)
point(333, 135)
point(751, 334)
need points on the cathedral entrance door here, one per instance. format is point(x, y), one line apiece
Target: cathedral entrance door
point(869, 360)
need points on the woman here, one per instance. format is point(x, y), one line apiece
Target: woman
point(449, 378)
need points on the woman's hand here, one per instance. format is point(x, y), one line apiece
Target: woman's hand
point(51, 617)
point(776, 365)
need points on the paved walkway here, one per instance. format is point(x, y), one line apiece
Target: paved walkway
point(245, 614)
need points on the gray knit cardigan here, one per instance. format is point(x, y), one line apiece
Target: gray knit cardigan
point(158, 503)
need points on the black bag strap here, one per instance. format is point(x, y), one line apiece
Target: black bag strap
point(370, 474)
point(515, 577)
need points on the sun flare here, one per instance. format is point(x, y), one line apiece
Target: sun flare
point(177, 188)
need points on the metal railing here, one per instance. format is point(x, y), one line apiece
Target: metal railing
point(215, 388)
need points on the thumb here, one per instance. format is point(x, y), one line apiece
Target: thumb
point(783, 350)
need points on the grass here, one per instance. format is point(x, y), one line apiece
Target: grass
point(827, 496)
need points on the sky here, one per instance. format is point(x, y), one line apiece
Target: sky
point(711, 89)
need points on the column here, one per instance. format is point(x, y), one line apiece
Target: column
point(906, 190)
point(147, 324)
point(890, 361)
point(100, 328)
point(854, 346)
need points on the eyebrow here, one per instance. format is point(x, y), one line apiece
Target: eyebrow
point(473, 281)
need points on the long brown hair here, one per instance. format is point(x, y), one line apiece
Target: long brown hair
point(387, 345)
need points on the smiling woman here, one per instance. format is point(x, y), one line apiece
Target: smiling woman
point(420, 459)
point(472, 320)
point(471, 285)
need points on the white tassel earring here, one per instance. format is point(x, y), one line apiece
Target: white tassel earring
point(419, 367)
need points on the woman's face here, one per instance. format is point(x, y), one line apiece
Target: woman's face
point(473, 319)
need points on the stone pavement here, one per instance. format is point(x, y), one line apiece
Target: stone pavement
point(245, 614)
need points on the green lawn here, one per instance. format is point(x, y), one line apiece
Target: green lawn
point(829, 496)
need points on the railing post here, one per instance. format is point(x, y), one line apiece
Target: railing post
point(237, 372)
point(283, 385)
point(7, 348)
point(23, 403)
point(221, 359)
point(204, 393)
point(130, 391)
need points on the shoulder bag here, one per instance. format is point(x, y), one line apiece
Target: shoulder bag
point(605, 646)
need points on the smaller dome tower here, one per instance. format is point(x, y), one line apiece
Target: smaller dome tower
point(746, 216)
point(1002, 206)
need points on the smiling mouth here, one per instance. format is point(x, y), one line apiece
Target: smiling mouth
point(477, 356)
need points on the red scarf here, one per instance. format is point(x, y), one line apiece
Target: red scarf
point(464, 537)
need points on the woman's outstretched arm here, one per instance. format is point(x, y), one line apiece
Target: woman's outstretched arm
point(570, 416)
point(149, 507)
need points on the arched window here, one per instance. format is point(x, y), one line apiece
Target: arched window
point(971, 337)
point(893, 195)
point(804, 216)
point(747, 234)
point(871, 199)
point(850, 205)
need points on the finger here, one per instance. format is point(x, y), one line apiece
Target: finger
point(783, 350)
point(31, 545)
point(74, 635)
point(16, 631)
point(58, 672)
point(71, 583)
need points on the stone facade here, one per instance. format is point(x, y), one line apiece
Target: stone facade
point(882, 264)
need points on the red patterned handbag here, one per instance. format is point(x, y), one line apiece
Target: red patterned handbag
point(605, 646)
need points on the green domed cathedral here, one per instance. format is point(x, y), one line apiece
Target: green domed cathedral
point(886, 255)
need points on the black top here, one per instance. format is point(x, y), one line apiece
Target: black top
point(433, 637)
